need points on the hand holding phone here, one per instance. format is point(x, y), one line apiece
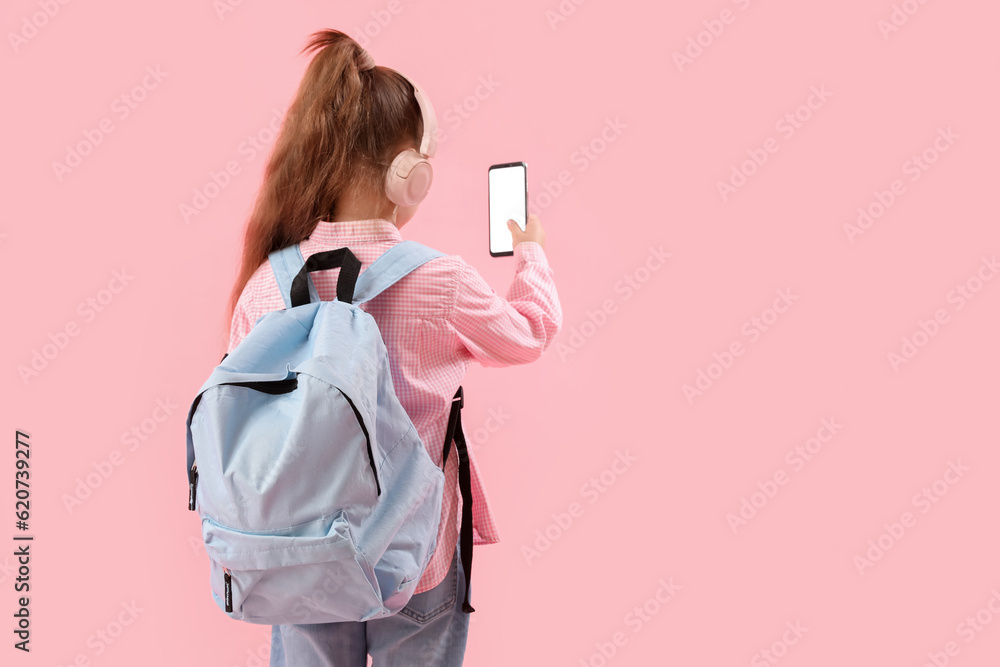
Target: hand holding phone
point(532, 231)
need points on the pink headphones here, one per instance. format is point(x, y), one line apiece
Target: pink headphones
point(409, 177)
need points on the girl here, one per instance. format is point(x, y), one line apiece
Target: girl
point(324, 188)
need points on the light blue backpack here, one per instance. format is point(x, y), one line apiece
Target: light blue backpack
point(318, 501)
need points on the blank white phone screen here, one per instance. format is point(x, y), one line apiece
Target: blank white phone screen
point(507, 201)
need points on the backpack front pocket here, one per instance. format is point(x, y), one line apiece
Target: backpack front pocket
point(316, 575)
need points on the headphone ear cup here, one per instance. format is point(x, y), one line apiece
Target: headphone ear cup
point(409, 178)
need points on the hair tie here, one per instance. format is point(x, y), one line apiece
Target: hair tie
point(364, 61)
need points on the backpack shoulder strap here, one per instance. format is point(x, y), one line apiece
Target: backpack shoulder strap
point(394, 263)
point(286, 264)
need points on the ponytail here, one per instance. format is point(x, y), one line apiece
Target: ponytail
point(340, 134)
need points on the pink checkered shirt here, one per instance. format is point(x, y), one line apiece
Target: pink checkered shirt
point(435, 322)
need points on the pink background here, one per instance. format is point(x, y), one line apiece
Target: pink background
point(613, 381)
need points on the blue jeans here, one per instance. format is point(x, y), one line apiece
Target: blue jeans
point(430, 631)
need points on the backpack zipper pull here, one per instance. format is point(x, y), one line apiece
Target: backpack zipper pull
point(229, 590)
point(192, 483)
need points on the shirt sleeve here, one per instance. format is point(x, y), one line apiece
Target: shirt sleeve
point(514, 330)
point(241, 324)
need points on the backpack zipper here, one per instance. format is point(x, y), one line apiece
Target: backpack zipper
point(229, 589)
point(192, 484)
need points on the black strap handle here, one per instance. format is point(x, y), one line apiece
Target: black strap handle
point(350, 268)
point(465, 483)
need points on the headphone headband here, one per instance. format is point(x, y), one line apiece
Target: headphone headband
point(428, 142)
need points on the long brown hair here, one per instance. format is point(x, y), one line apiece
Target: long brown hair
point(340, 134)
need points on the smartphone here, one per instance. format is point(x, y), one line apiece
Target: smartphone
point(508, 199)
